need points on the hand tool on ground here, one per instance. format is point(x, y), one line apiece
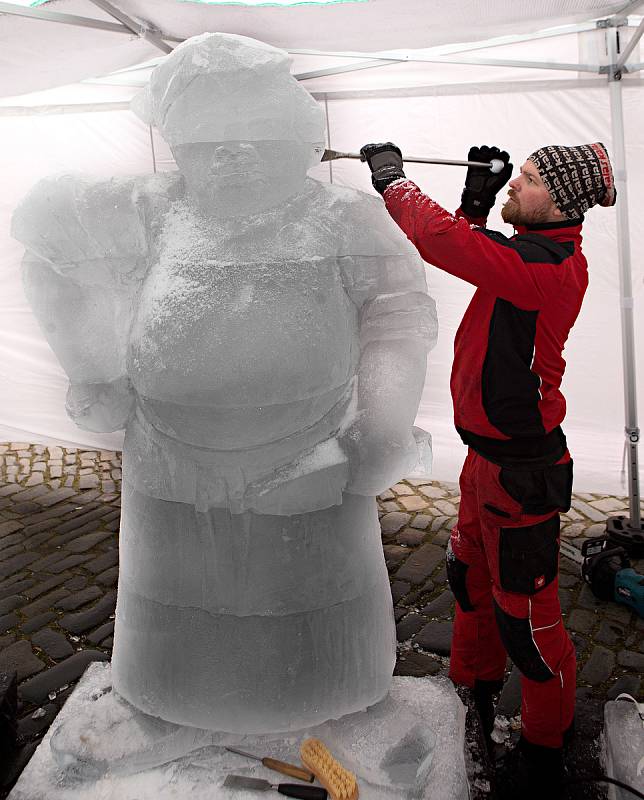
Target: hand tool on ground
point(495, 165)
point(285, 768)
point(288, 789)
point(607, 569)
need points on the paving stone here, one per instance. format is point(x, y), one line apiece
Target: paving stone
point(609, 505)
point(55, 514)
point(86, 620)
point(436, 637)
point(587, 510)
point(393, 522)
point(16, 563)
point(109, 559)
point(87, 481)
point(31, 494)
point(74, 601)
point(410, 538)
point(20, 657)
point(38, 622)
point(421, 563)
point(7, 552)
point(631, 660)
point(36, 689)
point(88, 541)
point(109, 642)
point(409, 625)
point(9, 541)
point(114, 524)
point(402, 489)
point(8, 621)
point(45, 602)
point(57, 496)
point(97, 636)
point(398, 590)
point(109, 577)
point(38, 539)
point(76, 583)
point(399, 613)
point(416, 664)
point(11, 602)
point(9, 489)
point(10, 527)
point(86, 497)
point(617, 612)
point(510, 700)
point(599, 666)
point(82, 519)
point(567, 581)
point(5, 641)
point(587, 599)
point(439, 606)
point(395, 553)
point(438, 523)
point(609, 632)
point(432, 491)
point(34, 479)
point(62, 538)
point(43, 564)
point(17, 587)
point(413, 503)
point(53, 643)
point(421, 521)
point(629, 684)
point(389, 507)
point(581, 621)
point(386, 495)
point(44, 586)
point(441, 538)
point(445, 507)
point(68, 563)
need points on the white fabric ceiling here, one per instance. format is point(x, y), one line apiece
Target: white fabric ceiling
point(37, 54)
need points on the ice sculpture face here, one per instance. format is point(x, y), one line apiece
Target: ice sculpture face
point(241, 178)
point(262, 338)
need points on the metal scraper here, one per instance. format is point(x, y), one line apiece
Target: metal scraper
point(288, 789)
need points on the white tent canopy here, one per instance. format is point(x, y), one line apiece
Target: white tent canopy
point(510, 72)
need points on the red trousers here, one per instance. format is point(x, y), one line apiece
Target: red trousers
point(502, 565)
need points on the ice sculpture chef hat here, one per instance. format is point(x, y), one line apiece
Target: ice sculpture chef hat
point(219, 87)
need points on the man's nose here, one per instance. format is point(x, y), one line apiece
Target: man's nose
point(514, 184)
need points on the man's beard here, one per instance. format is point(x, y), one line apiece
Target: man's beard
point(514, 215)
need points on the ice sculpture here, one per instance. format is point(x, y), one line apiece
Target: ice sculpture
point(262, 338)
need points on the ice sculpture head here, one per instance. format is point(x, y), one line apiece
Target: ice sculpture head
point(237, 121)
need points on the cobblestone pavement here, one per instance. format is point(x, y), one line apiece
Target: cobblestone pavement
point(59, 518)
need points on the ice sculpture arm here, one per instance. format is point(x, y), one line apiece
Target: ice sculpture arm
point(483, 258)
point(86, 253)
point(398, 326)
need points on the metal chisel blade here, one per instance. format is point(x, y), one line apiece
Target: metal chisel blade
point(240, 782)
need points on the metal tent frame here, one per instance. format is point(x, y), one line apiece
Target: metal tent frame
point(457, 54)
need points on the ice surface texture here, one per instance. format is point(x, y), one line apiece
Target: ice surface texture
point(623, 740)
point(262, 338)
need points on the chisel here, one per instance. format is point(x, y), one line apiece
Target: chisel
point(288, 789)
point(278, 766)
point(495, 165)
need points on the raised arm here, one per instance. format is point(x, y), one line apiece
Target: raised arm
point(86, 253)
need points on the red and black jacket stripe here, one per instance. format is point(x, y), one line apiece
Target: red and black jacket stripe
point(508, 362)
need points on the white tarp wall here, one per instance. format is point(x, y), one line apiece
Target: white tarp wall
point(442, 111)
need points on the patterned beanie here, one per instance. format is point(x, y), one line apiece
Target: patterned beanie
point(576, 177)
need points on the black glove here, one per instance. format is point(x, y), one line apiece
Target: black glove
point(385, 162)
point(481, 184)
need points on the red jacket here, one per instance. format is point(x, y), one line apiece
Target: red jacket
point(508, 362)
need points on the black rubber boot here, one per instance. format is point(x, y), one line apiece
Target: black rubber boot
point(485, 695)
point(530, 772)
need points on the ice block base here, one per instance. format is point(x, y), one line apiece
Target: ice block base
point(410, 745)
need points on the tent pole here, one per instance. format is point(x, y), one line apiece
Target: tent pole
point(628, 530)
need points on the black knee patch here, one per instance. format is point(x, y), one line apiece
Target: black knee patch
point(516, 635)
point(529, 556)
point(456, 577)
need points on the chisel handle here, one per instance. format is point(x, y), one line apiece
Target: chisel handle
point(288, 769)
point(303, 792)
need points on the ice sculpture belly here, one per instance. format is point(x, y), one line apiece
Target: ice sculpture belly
point(235, 354)
point(295, 632)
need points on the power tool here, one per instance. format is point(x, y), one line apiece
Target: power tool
point(607, 569)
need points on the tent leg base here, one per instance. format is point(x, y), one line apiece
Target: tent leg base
point(622, 533)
